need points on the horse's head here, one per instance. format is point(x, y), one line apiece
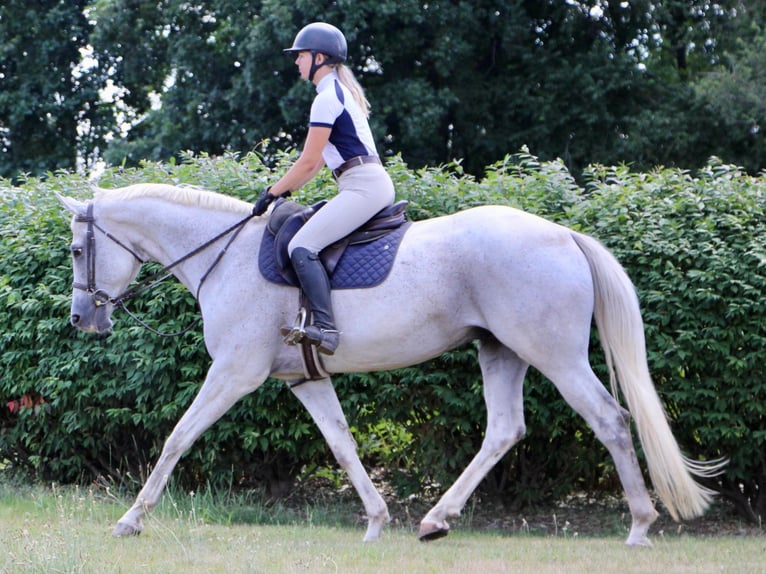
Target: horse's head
point(104, 265)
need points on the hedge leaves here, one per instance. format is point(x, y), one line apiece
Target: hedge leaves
point(74, 407)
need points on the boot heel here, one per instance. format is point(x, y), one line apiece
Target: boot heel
point(325, 340)
point(329, 344)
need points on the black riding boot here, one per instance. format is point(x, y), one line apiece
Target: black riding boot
point(313, 278)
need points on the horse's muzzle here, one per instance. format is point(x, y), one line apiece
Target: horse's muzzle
point(91, 319)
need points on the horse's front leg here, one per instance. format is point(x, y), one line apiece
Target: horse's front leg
point(222, 388)
point(322, 403)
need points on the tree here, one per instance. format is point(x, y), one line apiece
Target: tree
point(49, 104)
point(589, 82)
point(447, 80)
point(734, 94)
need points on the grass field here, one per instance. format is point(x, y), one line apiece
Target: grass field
point(51, 530)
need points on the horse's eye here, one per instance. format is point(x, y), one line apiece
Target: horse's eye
point(76, 251)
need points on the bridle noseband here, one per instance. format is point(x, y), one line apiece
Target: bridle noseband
point(101, 297)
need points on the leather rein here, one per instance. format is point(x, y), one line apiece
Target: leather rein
point(101, 297)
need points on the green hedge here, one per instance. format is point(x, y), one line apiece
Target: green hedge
point(696, 249)
point(76, 406)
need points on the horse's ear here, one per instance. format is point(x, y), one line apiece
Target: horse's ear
point(72, 205)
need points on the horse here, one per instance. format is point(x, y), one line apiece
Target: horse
point(524, 288)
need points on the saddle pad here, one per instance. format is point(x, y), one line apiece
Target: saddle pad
point(361, 266)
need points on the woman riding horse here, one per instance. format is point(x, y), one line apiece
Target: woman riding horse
point(340, 137)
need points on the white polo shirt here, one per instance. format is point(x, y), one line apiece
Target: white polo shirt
point(334, 107)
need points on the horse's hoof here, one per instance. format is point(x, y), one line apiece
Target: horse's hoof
point(124, 529)
point(642, 542)
point(430, 531)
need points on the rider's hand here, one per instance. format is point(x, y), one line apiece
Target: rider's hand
point(263, 202)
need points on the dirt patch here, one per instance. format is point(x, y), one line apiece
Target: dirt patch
point(580, 515)
point(588, 517)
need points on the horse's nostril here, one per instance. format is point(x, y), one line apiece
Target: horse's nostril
point(74, 319)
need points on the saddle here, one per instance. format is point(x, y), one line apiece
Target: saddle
point(362, 259)
point(287, 217)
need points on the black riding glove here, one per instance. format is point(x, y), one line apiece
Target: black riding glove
point(263, 202)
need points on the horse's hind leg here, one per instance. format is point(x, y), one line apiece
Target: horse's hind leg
point(585, 393)
point(322, 403)
point(503, 373)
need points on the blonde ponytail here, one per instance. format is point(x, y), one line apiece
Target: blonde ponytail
point(346, 77)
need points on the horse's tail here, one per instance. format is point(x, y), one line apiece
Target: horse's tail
point(621, 330)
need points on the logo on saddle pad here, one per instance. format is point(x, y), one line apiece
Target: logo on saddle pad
point(360, 260)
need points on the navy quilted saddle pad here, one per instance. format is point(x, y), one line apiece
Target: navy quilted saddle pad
point(362, 265)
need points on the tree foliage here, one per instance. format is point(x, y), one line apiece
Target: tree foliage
point(76, 407)
point(49, 105)
point(595, 82)
point(733, 93)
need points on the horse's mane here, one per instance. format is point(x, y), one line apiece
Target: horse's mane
point(186, 195)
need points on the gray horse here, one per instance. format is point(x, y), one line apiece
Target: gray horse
point(524, 288)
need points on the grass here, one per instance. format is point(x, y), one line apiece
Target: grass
point(50, 530)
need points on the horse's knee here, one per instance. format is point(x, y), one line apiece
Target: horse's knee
point(498, 441)
point(343, 446)
point(519, 434)
point(175, 446)
point(514, 435)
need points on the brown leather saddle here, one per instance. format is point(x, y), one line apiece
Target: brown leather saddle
point(287, 217)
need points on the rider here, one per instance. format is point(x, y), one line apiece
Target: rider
point(339, 136)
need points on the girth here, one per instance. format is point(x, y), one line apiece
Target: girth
point(287, 217)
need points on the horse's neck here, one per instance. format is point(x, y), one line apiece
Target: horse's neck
point(165, 232)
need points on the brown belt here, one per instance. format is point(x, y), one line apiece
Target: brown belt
point(353, 162)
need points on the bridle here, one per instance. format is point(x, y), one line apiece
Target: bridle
point(101, 297)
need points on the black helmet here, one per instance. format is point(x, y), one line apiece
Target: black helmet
point(321, 38)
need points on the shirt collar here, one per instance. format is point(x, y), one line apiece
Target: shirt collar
point(324, 82)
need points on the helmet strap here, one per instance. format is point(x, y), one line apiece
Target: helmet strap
point(314, 66)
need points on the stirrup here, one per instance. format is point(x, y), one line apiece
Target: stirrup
point(293, 334)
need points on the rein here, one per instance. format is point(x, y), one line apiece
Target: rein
point(101, 297)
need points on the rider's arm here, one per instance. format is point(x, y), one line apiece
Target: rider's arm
point(307, 165)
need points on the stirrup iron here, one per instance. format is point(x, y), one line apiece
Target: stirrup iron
point(294, 334)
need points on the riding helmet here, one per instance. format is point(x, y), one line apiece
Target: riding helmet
point(321, 38)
